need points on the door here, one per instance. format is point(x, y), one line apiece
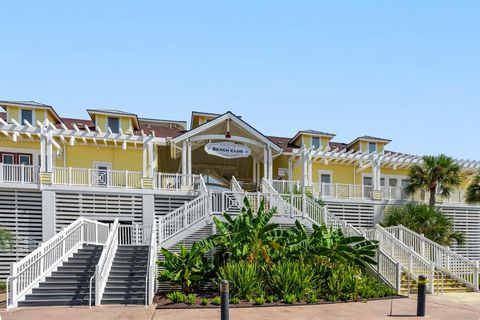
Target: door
point(326, 184)
point(367, 187)
point(100, 176)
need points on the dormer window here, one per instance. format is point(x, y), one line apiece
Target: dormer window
point(114, 124)
point(372, 147)
point(316, 142)
point(26, 115)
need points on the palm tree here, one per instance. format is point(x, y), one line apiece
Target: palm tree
point(473, 190)
point(426, 220)
point(434, 174)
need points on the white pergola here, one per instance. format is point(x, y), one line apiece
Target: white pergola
point(51, 137)
point(306, 156)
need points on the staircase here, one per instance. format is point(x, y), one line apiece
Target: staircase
point(70, 284)
point(443, 284)
point(126, 283)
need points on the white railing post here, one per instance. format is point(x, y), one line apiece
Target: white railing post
point(432, 278)
point(1, 171)
point(89, 178)
point(22, 173)
point(422, 245)
point(126, 178)
point(410, 259)
point(96, 233)
point(447, 258)
point(476, 275)
point(398, 273)
point(69, 176)
point(400, 233)
point(160, 231)
point(291, 205)
point(136, 233)
point(185, 215)
point(304, 204)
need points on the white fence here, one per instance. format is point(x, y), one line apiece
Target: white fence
point(19, 173)
point(458, 267)
point(358, 191)
point(29, 271)
point(177, 182)
point(150, 287)
point(87, 177)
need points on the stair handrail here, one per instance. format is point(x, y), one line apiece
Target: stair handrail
point(150, 278)
point(183, 217)
point(278, 201)
point(455, 265)
point(102, 269)
point(411, 262)
point(29, 271)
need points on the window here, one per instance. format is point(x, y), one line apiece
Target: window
point(316, 142)
point(114, 124)
point(25, 159)
point(367, 181)
point(372, 147)
point(26, 114)
point(325, 178)
point(8, 158)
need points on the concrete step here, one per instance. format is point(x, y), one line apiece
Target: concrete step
point(56, 302)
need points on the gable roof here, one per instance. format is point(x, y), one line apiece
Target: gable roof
point(368, 138)
point(92, 112)
point(313, 133)
point(32, 104)
point(220, 119)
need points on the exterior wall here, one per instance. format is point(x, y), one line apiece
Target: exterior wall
point(32, 147)
point(101, 122)
point(280, 162)
point(84, 157)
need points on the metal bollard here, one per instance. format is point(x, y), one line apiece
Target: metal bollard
point(224, 294)
point(422, 296)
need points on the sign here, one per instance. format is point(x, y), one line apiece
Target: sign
point(227, 150)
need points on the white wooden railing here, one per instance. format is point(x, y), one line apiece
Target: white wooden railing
point(134, 235)
point(27, 273)
point(237, 190)
point(88, 177)
point(451, 263)
point(359, 191)
point(19, 173)
point(412, 263)
point(102, 269)
point(151, 276)
point(176, 182)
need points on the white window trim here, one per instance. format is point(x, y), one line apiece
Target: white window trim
point(319, 142)
point(320, 172)
point(399, 177)
point(100, 163)
point(20, 116)
point(368, 147)
point(35, 153)
point(119, 123)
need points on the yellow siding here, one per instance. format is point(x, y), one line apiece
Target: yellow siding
point(380, 147)
point(39, 116)
point(12, 114)
point(85, 156)
point(20, 144)
point(101, 122)
point(125, 124)
point(324, 141)
point(307, 141)
point(279, 162)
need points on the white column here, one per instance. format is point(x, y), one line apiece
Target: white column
point(145, 158)
point(184, 161)
point(270, 164)
point(290, 168)
point(376, 172)
point(254, 170)
point(304, 168)
point(43, 142)
point(265, 163)
point(49, 154)
point(150, 158)
point(48, 215)
point(148, 209)
point(189, 161)
point(310, 177)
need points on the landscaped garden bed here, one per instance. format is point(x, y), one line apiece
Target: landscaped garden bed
point(266, 265)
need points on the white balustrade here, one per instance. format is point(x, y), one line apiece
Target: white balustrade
point(87, 177)
point(286, 186)
point(151, 277)
point(448, 261)
point(19, 173)
point(177, 182)
point(29, 271)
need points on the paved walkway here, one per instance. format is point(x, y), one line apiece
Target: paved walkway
point(463, 306)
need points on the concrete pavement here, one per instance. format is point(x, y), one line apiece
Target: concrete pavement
point(462, 306)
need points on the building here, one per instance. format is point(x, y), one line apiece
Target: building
point(115, 164)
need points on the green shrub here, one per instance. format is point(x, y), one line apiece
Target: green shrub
point(245, 279)
point(343, 282)
point(3, 285)
point(259, 301)
point(235, 300)
point(190, 299)
point(176, 297)
point(217, 301)
point(311, 297)
point(370, 287)
point(272, 298)
point(204, 302)
point(290, 298)
point(292, 277)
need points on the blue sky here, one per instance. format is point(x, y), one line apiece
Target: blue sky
point(404, 70)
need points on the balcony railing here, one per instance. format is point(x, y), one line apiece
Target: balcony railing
point(177, 182)
point(87, 177)
point(357, 191)
point(19, 173)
